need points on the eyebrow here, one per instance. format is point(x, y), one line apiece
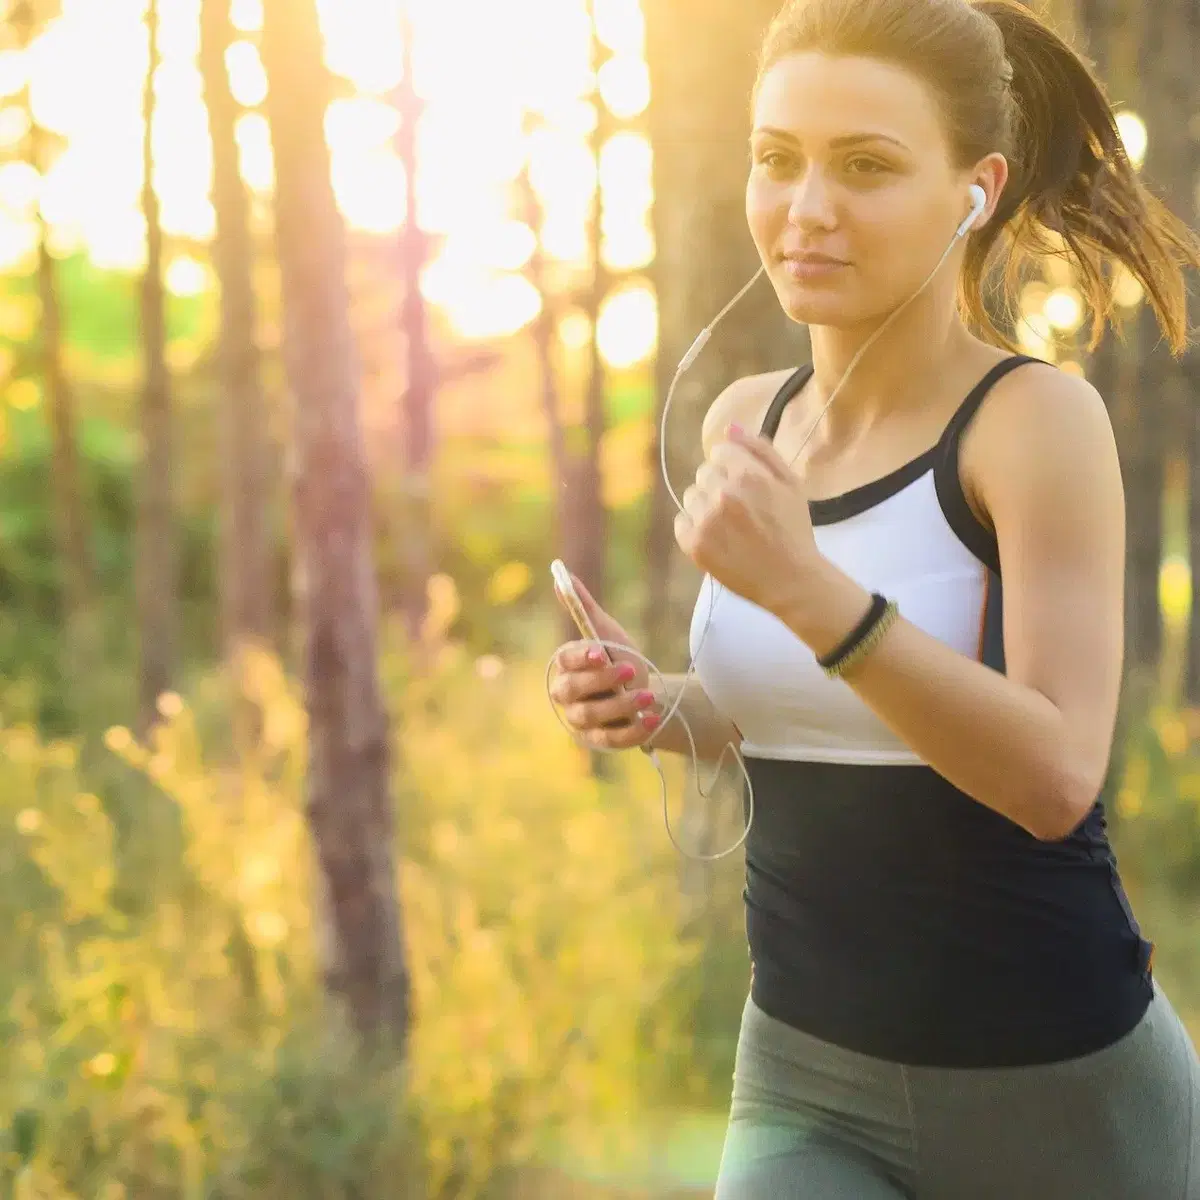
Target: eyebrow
point(838, 143)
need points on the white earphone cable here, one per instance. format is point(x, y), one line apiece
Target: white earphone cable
point(978, 199)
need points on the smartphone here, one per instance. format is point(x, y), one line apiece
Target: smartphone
point(573, 604)
point(571, 601)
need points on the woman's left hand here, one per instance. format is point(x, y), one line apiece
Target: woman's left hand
point(745, 522)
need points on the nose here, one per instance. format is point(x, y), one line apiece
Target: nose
point(811, 204)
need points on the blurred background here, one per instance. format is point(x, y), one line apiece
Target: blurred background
point(324, 326)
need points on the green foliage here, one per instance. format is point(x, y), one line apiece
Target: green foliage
point(165, 1031)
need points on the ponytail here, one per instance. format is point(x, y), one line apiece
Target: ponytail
point(1073, 191)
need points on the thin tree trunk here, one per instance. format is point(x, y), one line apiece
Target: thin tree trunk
point(70, 518)
point(699, 122)
point(588, 517)
point(246, 586)
point(543, 332)
point(156, 543)
point(349, 803)
point(421, 388)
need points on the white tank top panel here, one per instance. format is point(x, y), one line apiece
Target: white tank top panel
point(910, 536)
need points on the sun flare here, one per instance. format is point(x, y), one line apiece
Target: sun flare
point(539, 117)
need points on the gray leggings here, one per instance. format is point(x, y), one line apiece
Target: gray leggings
point(811, 1120)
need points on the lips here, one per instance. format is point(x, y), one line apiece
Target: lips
point(810, 266)
point(812, 258)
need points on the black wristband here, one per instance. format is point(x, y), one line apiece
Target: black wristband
point(878, 607)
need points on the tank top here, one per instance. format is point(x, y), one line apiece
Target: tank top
point(887, 911)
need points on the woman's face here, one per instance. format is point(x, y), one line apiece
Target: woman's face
point(852, 196)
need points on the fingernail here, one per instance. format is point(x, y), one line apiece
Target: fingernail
point(644, 699)
point(652, 720)
point(734, 428)
point(626, 672)
point(595, 656)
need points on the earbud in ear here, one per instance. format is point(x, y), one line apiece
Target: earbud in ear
point(978, 204)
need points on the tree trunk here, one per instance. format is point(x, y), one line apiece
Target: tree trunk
point(421, 387)
point(349, 805)
point(587, 530)
point(700, 127)
point(246, 582)
point(81, 649)
point(544, 333)
point(156, 542)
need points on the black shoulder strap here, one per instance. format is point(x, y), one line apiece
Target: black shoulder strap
point(791, 386)
point(966, 411)
point(959, 514)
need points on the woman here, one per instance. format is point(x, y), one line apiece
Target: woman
point(950, 997)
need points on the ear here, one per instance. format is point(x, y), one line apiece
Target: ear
point(991, 174)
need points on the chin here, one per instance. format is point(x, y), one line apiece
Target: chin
point(817, 306)
point(826, 304)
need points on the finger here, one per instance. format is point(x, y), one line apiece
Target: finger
point(762, 450)
point(711, 477)
point(685, 533)
point(636, 733)
point(736, 462)
point(571, 686)
point(618, 710)
point(580, 656)
point(696, 503)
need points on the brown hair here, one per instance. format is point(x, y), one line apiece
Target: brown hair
point(1006, 82)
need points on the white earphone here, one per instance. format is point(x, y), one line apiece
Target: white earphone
point(978, 204)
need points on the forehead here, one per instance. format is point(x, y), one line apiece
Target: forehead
point(818, 97)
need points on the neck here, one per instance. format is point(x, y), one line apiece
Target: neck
point(898, 368)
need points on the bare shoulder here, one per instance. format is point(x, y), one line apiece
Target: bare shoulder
point(1043, 432)
point(744, 402)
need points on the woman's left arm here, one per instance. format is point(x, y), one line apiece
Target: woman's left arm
point(1034, 743)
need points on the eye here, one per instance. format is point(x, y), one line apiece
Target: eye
point(862, 165)
point(775, 162)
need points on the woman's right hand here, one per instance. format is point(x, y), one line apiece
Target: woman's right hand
point(604, 695)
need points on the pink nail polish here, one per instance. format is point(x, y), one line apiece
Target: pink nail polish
point(596, 657)
point(626, 672)
point(644, 699)
point(652, 720)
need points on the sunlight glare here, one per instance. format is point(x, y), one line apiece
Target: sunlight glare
point(370, 190)
point(186, 276)
point(14, 126)
point(624, 84)
point(247, 79)
point(620, 26)
point(360, 124)
point(1127, 291)
point(18, 240)
point(505, 87)
point(482, 306)
point(246, 15)
point(362, 42)
point(627, 330)
point(626, 166)
point(20, 188)
point(1135, 136)
point(116, 239)
point(256, 155)
point(1064, 309)
point(14, 72)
